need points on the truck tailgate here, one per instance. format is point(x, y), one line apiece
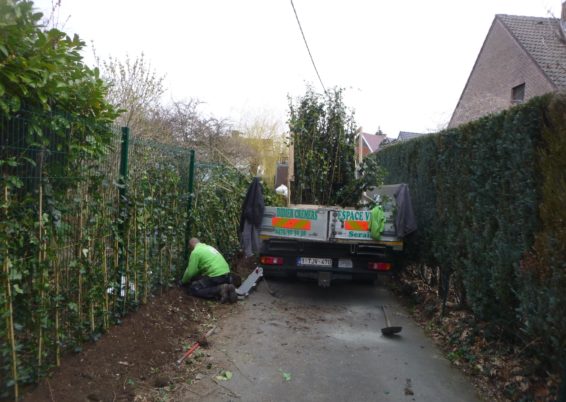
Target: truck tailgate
point(296, 223)
point(354, 225)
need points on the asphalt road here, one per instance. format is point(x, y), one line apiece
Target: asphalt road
point(315, 344)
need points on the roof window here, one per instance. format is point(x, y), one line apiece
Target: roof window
point(518, 94)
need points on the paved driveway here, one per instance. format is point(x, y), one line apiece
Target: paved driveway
point(315, 344)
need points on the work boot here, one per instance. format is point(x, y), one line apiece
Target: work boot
point(225, 293)
point(235, 279)
point(232, 295)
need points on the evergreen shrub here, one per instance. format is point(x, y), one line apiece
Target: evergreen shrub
point(489, 198)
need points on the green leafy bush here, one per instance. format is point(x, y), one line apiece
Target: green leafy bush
point(323, 137)
point(219, 193)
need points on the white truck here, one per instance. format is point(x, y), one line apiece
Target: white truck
point(326, 243)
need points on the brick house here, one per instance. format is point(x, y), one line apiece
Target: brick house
point(521, 57)
point(368, 144)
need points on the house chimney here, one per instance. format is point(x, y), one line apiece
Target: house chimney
point(563, 18)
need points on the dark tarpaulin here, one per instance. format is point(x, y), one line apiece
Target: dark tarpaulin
point(405, 221)
point(251, 217)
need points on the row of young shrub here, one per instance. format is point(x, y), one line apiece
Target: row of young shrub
point(80, 246)
point(56, 240)
point(490, 198)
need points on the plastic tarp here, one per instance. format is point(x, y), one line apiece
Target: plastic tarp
point(405, 221)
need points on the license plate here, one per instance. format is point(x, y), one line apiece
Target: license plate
point(315, 262)
point(345, 263)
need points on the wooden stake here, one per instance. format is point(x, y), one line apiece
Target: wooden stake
point(79, 258)
point(10, 317)
point(41, 268)
point(115, 292)
point(161, 271)
point(145, 262)
point(106, 299)
point(91, 267)
point(57, 335)
point(170, 262)
point(126, 271)
point(92, 326)
point(135, 220)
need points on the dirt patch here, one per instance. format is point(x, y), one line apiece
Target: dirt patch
point(241, 266)
point(135, 361)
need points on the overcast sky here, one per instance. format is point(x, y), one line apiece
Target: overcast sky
point(403, 63)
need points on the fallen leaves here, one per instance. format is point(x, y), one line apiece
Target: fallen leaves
point(286, 376)
point(225, 376)
point(500, 368)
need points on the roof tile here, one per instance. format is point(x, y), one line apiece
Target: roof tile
point(541, 38)
point(373, 141)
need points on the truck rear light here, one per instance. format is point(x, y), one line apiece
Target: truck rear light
point(379, 266)
point(268, 260)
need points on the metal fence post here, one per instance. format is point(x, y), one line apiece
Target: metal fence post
point(124, 160)
point(123, 205)
point(189, 203)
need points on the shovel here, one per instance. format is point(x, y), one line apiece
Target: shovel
point(196, 345)
point(389, 330)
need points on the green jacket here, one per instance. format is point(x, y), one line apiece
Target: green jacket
point(205, 260)
point(376, 222)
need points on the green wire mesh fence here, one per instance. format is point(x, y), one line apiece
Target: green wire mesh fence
point(87, 236)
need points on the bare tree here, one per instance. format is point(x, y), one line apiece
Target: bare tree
point(185, 121)
point(135, 88)
point(264, 138)
point(53, 18)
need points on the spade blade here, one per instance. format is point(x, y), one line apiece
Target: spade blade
point(388, 331)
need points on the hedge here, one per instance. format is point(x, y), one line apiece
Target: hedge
point(489, 197)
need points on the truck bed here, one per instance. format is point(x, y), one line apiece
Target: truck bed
point(326, 243)
point(325, 224)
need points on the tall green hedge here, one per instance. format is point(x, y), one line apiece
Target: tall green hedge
point(489, 197)
point(543, 271)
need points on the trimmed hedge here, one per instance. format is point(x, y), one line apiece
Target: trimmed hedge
point(490, 201)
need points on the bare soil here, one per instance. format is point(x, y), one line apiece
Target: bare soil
point(136, 360)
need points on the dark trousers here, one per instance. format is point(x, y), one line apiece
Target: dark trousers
point(208, 287)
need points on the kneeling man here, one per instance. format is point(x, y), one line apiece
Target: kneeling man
point(208, 274)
